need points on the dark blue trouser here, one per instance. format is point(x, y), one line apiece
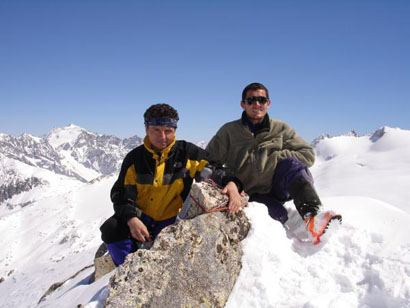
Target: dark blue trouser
point(117, 237)
point(286, 172)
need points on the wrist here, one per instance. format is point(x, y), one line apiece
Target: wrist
point(131, 220)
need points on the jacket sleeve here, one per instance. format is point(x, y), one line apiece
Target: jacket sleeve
point(124, 196)
point(295, 146)
point(223, 176)
point(218, 147)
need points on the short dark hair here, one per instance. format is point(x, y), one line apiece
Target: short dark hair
point(159, 111)
point(252, 87)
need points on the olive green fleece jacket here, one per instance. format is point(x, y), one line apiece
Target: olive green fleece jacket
point(254, 157)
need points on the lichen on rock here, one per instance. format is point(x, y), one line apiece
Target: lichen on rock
point(193, 263)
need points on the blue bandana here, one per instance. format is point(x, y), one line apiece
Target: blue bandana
point(161, 122)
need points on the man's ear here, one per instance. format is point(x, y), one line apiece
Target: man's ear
point(242, 105)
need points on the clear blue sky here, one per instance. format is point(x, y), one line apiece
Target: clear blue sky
point(330, 66)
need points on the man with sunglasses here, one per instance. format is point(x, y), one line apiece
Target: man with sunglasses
point(272, 162)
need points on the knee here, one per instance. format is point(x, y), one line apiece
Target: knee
point(113, 230)
point(291, 162)
point(291, 168)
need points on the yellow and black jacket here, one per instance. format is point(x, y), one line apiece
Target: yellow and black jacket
point(157, 184)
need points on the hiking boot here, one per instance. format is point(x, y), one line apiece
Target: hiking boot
point(318, 225)
point(304, 196)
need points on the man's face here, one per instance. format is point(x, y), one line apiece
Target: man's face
point(160, 136)
point(257, 111)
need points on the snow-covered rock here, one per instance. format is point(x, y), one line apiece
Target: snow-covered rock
point(202, 144)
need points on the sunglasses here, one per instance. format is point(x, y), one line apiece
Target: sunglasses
point(253, 99)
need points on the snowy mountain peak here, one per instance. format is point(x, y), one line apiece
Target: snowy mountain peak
point(388, 138)
point(374, 137)
point(320, 138)
point(352, 133)
point(202, 144)
point(71, 151)
point(73, 126)
point(68, 134)
point(384, 130)
point(29, 138)
point(317, 140)
point(379, 133)
point(385, 139)
point(4, 138)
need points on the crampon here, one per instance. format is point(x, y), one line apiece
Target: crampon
point(320, 225)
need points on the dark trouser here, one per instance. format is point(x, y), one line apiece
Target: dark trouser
point(291, 180)
point(117, 237)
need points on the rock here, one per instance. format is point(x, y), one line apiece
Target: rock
point(378, 134)
point(56, 285)
point(205, 197)
point(102, 262)
point(193, 263)
point(2, 279)
point(16, 186)
point(50, 290)
point(317, 140)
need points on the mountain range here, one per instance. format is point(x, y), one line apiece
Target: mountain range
point(70, 151)
point(56, 196)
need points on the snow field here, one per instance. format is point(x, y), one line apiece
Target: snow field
point(353, 269)
point(50, 240)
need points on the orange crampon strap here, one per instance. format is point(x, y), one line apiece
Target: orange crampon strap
point(311, 228)
point(212, 182)
point(208, 211)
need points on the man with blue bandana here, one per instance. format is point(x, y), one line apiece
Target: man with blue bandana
point(154, 181)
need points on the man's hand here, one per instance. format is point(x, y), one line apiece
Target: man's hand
point(231, 190)
point(138, 230)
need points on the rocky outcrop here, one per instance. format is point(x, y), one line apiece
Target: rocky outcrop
point(316, 141)
point(56, 285)
point(18, 186)
point(103, 263)
point(193, 263)
point(378, 134)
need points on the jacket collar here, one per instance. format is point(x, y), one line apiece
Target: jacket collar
point(163, 155)
point(258, 128)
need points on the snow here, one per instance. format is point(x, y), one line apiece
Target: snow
point(358, 166)
point(49, 240)
point(366, 263)
point(29, 136)
point(69, 161)
point(54, 184)
point(68, 134)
